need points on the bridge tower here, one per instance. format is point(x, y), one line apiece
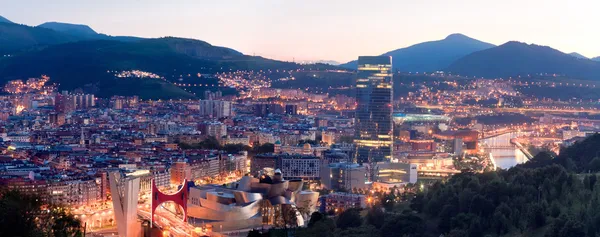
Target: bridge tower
point(180, 197)
point(125, 192)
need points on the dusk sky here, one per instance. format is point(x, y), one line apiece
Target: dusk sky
point(328, 29)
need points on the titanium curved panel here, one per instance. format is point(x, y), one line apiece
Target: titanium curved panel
point(277, 189)
point(232, 214)
point(263, 188)
point(245, 183)
point(223, 198)
point(295, 185)
point(245, 197)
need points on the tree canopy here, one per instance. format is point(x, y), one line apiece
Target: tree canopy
point(26, 215)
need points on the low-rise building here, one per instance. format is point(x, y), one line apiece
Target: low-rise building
point(343, 176)
point(339, 202)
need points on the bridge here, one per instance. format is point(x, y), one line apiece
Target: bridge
point(125, 195)
point(525, 151)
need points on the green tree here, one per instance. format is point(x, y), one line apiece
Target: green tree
point(540, 160)
point(235, 148)
point(375, 217)
point(255, 233)
point(406, 224)
point(314, 218)
point(501, 219)
point(264, 148)
point(536, 217)
point(210, 143)
point(361, 231)
point(65, 224)
point(594, 165)
point(309, 141)
point(349, 218)
point(23, 215)
point(18, 213)
point(322, 228)
point(388, 201)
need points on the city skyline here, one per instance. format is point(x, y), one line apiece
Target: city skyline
point(331, 30)
point(442, 134)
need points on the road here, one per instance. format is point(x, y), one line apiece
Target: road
point(170, 222)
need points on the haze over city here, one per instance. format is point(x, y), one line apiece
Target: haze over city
point(328, 30)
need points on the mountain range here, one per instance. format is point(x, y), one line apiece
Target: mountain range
point(433, 55)
point(460, 54)
point(76, 56)
point(16, 37)
point(516, 58)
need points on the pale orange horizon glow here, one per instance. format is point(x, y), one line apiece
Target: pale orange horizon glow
point(328, 29)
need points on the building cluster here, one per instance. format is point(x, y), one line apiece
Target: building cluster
point(242, 151)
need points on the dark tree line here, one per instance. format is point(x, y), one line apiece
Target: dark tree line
point(552, 196)
point(211, 143)
point(25, 215)
point(547, 196)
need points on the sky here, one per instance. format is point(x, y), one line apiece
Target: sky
point(338, 30)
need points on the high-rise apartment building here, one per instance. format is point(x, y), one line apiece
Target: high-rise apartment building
point(215, 129)
point(215, 108)
point(64, 103)
point(210, 95)
point(374, 128)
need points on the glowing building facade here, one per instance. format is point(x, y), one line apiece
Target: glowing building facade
point(374, 127)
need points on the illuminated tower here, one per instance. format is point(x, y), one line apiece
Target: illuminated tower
point(374, 129)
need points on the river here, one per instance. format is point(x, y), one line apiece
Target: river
point(505, 157)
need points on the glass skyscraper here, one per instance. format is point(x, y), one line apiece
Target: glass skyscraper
point(373, 134)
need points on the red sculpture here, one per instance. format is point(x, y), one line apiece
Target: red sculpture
point(180, 197)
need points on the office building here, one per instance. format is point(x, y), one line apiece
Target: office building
point(374, 128)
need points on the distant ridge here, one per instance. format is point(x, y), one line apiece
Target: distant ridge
point(432, 55)
point(597, 59)
point(4, 20)
point(72, 29)
point(16, 37)
point(516, 58)
point(194, 48)
point(84, 32)
point(578, 55)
